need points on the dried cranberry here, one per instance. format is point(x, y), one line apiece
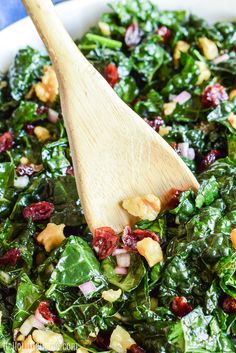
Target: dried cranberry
point(173, 198)
point(133, 35)
point(180, 307)
point(209, 158)
point(130, 238)
point(164, 33)
point(24, 169)
point(41, 110)
point(213, 95)
point(103, 340)
point(70, 170)
point(105, 241)
point(136, 349)
point(38, 211)
point(229, 305)
point(46, 313)
point(6, 141)
point(11, 257)
point(111, 74)
point(29, 128)
point(156, 123)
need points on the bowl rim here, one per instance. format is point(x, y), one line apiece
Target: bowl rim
point(79, 15)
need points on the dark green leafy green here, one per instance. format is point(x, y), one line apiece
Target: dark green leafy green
point(54, 157)
point(26, 113)
point(77, 265)
point(131, 280)
point(207, 193)
point(148, 57)
point(27, 297)
point(221, 114)
point(25, 70)
point(195, 235)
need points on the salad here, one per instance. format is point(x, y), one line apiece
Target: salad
point(168, 284)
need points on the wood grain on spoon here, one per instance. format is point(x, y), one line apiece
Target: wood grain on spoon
point(115, 154)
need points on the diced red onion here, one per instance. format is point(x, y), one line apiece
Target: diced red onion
point(191, 154)
point(172, 97)
point(53, 116)
point(87, 288)
point(36, 323)
point(40, 318)
point(26, 327)
point(183, 148)
point(121, 270)
point(123, 260)
point(29, 323)
point(221, 59)
point(21, 182)
point(119, 251)
point(182, 97)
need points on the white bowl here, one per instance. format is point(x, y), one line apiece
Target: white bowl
point(79, 15)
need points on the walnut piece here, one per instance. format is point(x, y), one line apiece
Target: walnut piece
point(151, 250)
point(120, 340)
point(233, 237)
point(232, 120)
point(205, 73)
point(42, 133)
point(208, 47)
point(181, 47)
point(168, 108)
point(232, 94)
point(164, 130)
point(111, 295)
point(52, 236)
point(104, 28)
point(28, 346)
point(47, 89)
point(144, 207)
point(49, 340)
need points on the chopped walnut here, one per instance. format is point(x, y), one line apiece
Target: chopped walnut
point(151, 250)
point(111, 295)
point(169, 108)
point(233, 237)
point(47, 89)
point(28, 346)
point(49, 340)
point(120, 340)
point(181, 47)
point(164, 130)
point(42, 133)
point(3, 84)
point(24, 161)
point(104, 28)
point(232, 120)
point(208, 47)
point(52, 236)
point(144, 207)
point(232, 94)
point(205, 73)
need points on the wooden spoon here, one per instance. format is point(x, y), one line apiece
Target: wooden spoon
point(116, 155)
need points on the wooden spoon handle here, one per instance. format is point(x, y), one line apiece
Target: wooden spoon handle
point(61, 48)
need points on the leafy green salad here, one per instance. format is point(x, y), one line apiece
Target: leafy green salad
point(167, 285)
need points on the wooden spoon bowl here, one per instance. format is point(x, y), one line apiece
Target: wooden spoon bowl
point(116, 155)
